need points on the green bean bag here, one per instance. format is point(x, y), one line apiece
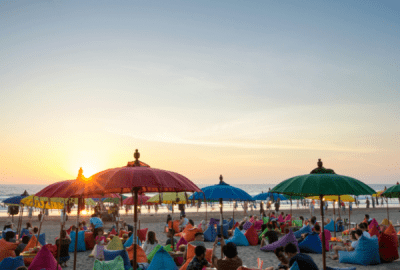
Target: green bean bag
point(116, 264)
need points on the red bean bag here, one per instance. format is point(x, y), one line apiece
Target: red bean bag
point(258, 224)
point(121, 233)
point(328, 236)
point(7, 249)
point(113, 232)
point(237, 225)
point(388, 247)
point(374, 231)
point(188, 227)
point(142, 234)
point(89, 240)
point(140, 254)
point(52, 249)
point(392, 231)
point(251, 236)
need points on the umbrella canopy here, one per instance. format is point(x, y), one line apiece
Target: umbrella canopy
point(16, 200)
point(169, 198)
point(378, 193)
point(268, 195)
point(334, 198)
point(142, 199)
point(222, 191)
point(392, 192)
point(55, 203)
point(116, 199)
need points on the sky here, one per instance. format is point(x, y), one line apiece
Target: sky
point(254, 90)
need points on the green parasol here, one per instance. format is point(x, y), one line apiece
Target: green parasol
point(392, 192)
point(115, 200)
point(322, 182)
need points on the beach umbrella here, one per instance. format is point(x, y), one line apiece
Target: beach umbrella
point(15, 200)
point(268, 195)
point(142, 200)
point(222, 192)
point(321, 182)
point(135, 179)
point(170, 198)
point(392, 192)
point(115, 199)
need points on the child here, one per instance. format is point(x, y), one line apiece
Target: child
point(100, 240)
point(84, 227)
point(198, 261)
point(64, 248)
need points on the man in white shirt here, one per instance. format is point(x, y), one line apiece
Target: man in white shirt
point(183, 222)
point(364, 229)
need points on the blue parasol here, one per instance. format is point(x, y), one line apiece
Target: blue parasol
point(269, 195)
point(14, 200)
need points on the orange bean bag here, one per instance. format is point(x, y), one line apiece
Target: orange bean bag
point(190, 254)
point(392, 231)
point(175, 225)
point(89, 240)
point(140, 254)
point(188, 227)
point(7, 249)
point(121, 233)
point(31, 244)
point(189, 234)
point(251, 235)
point(388, 247)
point(236, 225)
point(142, 234)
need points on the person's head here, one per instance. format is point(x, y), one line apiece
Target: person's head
point(35, 230)
point(274, 224)
point(353, 235)
point(263, 227)
point(21, 268)
point(199, 236)
point(170, 233)
point(273, 213)
point(8, 225)
point(313, 220)
point(301, 218)
point(151, 237)
point(367, 217)
point(100, 231)
point(84, 223)
point(200, 252)
point(125, 236)
point(358, 233)
point(191, 222)
point(280, 254)
point(317, 228)
point(183, 216)
point(250, 216)
point(73, 228)
point(63, 234)
point(25, 239)
point(290, 250)
point(9, 236)
point(363, 226)
point(28, 225)
point(282, 213)
point(230, 250)
point(270, 226)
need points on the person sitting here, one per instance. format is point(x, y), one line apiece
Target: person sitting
point(231, 259)
point(275, 225)
point(170, 235)
point(151, 242)
point(63, 245)
point(28, 226)
point(304, 261)
point(35, 230)
point(271, 234)
point(191, 222)
point(125, 238)
point(272, 215)
point(198, 262)
point(367, 220)
point(22, 245)
point(354, 236)
point(183, 222)
point(198, 241)
point(10, 237)
point(364, 228)
point(302, 221)
point(284, 262)
point(84, 227)
point(317, 229)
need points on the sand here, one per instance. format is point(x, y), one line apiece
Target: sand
point(249, 255)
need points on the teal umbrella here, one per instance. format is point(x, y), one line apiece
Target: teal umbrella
point(320, 182)
point(392, 192)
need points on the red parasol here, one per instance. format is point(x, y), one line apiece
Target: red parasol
point(142, 200)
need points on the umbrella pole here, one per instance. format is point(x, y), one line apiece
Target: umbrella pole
point(334, 219)
point(233, 211)
point(40, 226)
point(20, 222)
point(136, 191)
point(59, 242)
point(220, 211)
point(76, 232)
point(205, 202)
point(323, 235)
point(290, 207)
point(387, 208)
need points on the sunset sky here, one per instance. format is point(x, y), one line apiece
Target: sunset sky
point(254, 90)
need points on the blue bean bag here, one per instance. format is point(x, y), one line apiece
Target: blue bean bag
point(24, 232)
point(162, 260)
point(225, 229)
point(238, 239)
point(42, 238)
point(311, 244)
point(3, 235)
point(336, 268)
point(210, 234)
point(129, 242)
point(366, 252)
point(231, 223)
point(295, 266)
point(110, 255)
point(213, 221)
point(306, 229)
point(81, 241)
point(11, 263)
point(339, 228)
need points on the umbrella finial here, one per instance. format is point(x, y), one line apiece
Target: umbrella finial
point(136, 155)
point(220, 179)
point(319, 163)
point(80, 174)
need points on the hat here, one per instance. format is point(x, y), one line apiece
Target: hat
point(9, 223)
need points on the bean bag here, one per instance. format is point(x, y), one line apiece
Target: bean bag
point(236, 225)
point(89, 240)
point(265, 220)
point(142, 234)
point(247, 225)
point(388, 251)
point(113, 232)
point(295, 266)
point(330, 227)
point(189, 234)
point(154, 251)
point(190, 254)
point(251, 220)
point(385, 222)
point(42, 238)
point(115, 244)
point(238, 238)
point(231, 223)
point(210, 234)
point(110, 255)
point(280, 218)
point(339, 268)
point(96, 222)
point(44, 260)
point(366, 252)
point(327, 239)
point(52, 249)
point(262, 233)
point(11, 263)
point(390, 230)
point(140, 254)
point(287, 218)
point(129, 242)
point(306, 229)
point(297, 223)
point(116, 264)
point(81, 242)
point(224, 230)
point(258, 224)
point(182, 241)
point(251, 236)
point(162, 260)
point(311, 244)
point(31, 244)
point(213, 221)
point(122, 232)
point(188, 227)
point(374, 231)
point(7, 249)
point(288, 238)
point(175, 225)
point(373, 223)
point(26, 232)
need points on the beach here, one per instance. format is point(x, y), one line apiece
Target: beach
point(249, 255)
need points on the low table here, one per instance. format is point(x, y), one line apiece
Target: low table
point(28, 255)
point(176, 254)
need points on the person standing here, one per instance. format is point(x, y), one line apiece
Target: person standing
point(350, 207)
point(30, 213)
point(343, 207)
point(373, 203)
point(367, 202)
point(245, 205)
point(312, 208)
point(277, 204)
